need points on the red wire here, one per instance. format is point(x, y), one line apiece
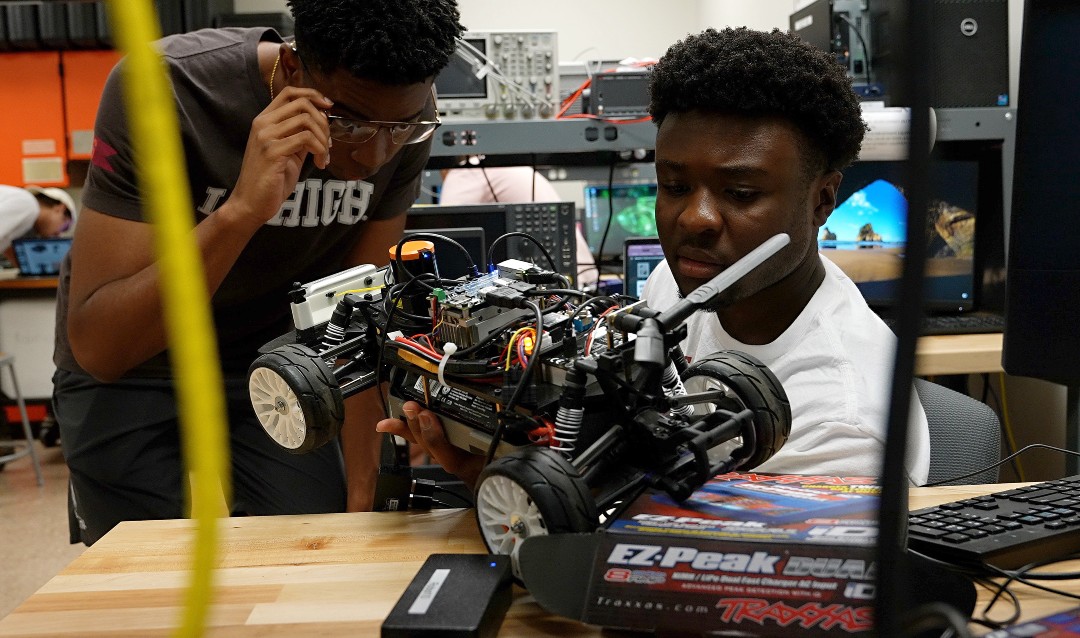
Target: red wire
point(592, 331)
point(420, 347)
point(590, 116)
point(573, 98)
point(544, 433)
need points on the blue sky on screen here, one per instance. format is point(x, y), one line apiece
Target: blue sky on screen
point(879, 203)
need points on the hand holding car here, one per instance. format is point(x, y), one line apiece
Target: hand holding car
point(422, 427)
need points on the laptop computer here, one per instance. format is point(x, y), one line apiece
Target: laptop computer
point(640, 257)
point(40, 256)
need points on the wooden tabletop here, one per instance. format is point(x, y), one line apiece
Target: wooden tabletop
point(29, 283)
point(958, 354)
point(318, 575)
point(313, 575)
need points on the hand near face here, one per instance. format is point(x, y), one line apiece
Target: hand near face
point(423, 427)
point(289, 131)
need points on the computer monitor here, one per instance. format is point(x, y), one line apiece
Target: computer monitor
point(549, 223)
point(451, 262)
point(1042, 308)
point(631, 209)
point(865, 234)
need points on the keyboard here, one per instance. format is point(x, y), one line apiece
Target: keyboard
point(966, 323)
point(1009, 529)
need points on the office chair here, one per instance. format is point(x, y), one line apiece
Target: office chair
point(22, 448)
point(965, 435)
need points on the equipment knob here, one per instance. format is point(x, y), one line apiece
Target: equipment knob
point(508, 110)
point(546, 110)
point(491, 111)
point(497, 39)
point(527, 110)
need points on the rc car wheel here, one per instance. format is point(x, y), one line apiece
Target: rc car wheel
point(530, 492)
point(751, 385)
point(296, 398)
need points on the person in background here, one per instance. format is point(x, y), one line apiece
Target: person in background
point(302, 158)
point(754, 130)
point(44, 212)
point(512, 184)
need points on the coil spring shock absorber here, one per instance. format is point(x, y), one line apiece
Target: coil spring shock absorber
point(673, 387)
point(339, 321)
point(570, 414)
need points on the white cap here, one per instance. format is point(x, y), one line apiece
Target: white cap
point(57, 194)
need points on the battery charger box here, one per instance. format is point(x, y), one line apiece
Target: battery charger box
point(453, 596)
point(768, 554)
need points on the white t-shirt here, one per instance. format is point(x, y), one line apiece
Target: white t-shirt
point(19, 210)
point(835, 362)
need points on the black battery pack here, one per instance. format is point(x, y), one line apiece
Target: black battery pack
point(453, 595)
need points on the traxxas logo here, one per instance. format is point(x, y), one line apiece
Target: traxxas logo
point(756, 610)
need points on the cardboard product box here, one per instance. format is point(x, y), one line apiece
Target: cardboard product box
point(1059, 625)
point(763, 553)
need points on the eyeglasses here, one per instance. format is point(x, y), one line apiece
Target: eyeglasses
point(354, 131)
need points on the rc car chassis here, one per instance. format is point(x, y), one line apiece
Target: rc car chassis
point(579, 402)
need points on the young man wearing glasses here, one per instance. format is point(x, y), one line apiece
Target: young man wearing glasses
point(302, 159)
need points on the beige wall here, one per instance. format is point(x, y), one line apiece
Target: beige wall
point(602, 30)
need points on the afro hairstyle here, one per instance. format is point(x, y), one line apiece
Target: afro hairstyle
point(756, 73)
point(393, 42)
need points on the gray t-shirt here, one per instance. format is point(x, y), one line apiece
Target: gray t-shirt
point(219, 91)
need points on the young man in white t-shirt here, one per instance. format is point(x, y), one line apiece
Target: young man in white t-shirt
point(753, 131)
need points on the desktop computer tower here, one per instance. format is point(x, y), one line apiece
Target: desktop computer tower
point(971, 53)
point(969, 42)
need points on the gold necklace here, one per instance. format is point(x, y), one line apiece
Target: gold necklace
point(273, 72)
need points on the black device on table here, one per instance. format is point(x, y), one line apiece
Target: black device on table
point(453, 595)
point(977, 322)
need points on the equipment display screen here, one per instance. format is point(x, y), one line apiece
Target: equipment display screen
point(458, 79)
point(634, 210)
